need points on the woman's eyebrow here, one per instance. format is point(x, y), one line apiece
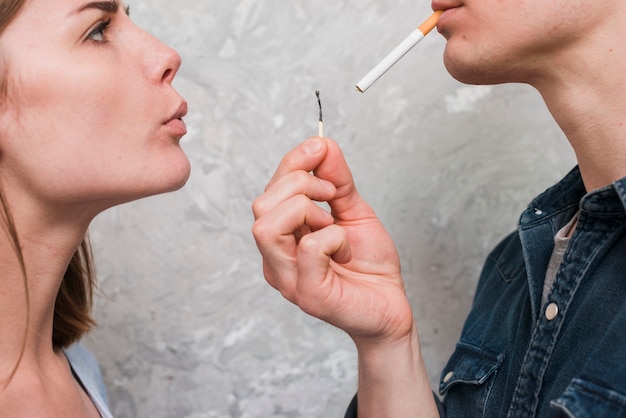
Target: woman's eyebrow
point(107, 6)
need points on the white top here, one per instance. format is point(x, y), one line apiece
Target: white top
point(87, 372)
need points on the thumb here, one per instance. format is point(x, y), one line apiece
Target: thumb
point(347, 203)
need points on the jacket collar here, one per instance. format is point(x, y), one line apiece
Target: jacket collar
point(561, 201)
point(620, 187)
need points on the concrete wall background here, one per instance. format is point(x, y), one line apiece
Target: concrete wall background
point(188, 326)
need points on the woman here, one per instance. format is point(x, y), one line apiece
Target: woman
point(89, 120)
point(545, 334)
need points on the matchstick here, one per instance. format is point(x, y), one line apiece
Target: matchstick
point(395, 55)
point(320, 125)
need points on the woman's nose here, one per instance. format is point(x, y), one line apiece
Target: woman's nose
point(162, 62)
point(171, 63)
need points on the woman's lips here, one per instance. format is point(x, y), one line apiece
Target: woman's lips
point(176, 123)
point(177, 126)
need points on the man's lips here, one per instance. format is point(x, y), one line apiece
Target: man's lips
point(445, 5)
point(449, 10)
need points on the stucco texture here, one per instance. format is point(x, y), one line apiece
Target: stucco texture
point(188, 327)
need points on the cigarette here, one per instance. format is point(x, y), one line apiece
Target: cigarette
point(395, 55)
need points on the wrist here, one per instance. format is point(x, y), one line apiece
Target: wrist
point(393, 380)
point(395, 335)
point(380, 354)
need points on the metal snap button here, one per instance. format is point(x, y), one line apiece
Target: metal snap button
point(447, 377)
point(552, 310)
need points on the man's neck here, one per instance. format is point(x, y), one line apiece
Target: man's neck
point(586, 94)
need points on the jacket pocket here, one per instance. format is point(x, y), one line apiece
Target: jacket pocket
point(583, 399)
point(467, 379)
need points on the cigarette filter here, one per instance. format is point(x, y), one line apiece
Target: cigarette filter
point(401, 50)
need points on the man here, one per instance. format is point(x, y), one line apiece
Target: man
point(544, 337)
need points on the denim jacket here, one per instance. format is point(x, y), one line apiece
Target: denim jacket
point(517, 358)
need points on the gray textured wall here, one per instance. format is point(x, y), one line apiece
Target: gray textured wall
point(188, 326)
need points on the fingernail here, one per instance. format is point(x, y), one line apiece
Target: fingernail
point(313, 146)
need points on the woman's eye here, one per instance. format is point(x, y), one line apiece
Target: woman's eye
point(98, 34)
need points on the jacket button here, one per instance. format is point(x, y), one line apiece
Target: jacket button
point(552, 310)
point(447, 377)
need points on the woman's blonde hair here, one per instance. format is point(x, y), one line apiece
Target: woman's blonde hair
point(72, 310)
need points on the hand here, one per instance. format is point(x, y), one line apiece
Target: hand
point(339, 266)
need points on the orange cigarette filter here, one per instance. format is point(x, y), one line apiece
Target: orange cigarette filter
point(430, 23)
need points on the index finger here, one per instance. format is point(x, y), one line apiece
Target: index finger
point(305, 156)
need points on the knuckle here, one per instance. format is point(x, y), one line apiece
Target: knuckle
point(288, 292)
point(309, 244)
point(259, 207)
point(301, 180)
point(301, 201)
point(260, 230)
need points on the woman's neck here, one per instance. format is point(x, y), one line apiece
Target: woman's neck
point(28, 312)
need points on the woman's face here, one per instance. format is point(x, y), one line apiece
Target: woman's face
point(91, 116)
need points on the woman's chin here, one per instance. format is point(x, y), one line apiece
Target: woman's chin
point(165, 182)
point(178, 178)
